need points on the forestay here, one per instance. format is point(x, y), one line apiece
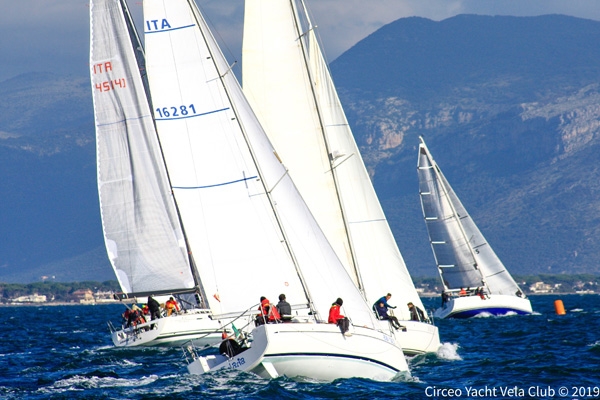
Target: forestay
point(248, 227)
point(143, 237)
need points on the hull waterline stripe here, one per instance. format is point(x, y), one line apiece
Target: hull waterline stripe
point(332, 355)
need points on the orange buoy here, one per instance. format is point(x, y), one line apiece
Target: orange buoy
point(559, 307)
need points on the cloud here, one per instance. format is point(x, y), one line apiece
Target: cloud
point(53, 35)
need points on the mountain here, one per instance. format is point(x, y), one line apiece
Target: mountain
point(49, 213)
point(509, 107)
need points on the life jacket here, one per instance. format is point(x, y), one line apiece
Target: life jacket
point(264, 307)
point(274, 313)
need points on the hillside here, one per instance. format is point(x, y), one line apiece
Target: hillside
point(510, 108)
point(48, 198)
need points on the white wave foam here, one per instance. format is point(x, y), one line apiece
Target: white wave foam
point(448, 351)
point(79, 382)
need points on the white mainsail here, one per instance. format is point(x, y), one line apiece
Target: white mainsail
point(143, 237)
point(288, 83)
point(249, 230)
point(463, 256)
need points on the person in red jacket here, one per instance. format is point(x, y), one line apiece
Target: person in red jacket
point(268, 313)
point(335, 317)
point(171, 306)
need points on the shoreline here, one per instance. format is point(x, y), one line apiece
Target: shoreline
point(113, 302)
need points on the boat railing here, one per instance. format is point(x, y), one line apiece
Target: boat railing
point(191, 351)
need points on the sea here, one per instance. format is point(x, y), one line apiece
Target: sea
point(65, 352)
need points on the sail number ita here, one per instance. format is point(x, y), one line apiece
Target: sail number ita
point(176, 112)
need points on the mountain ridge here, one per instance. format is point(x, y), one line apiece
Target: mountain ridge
point(509, 107)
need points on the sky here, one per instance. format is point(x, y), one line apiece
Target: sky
point(53, 35)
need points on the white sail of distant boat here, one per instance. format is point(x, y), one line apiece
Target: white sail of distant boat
point(475, 280)
point(288, 84)
point(253, 235)
point(144, 238)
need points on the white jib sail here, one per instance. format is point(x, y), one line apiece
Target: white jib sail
point(143, 238)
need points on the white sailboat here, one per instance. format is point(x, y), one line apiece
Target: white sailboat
point(143, 233)
point(475, 280)
point(254, 235)
point(288, 84)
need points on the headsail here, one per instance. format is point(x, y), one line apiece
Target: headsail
point(247, 225)
point(288, 83)
point(463, 256)
point(143, 237)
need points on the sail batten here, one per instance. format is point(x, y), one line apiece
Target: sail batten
point(455, 238)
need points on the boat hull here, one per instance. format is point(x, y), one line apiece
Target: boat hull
point(471, 306)
point(313, 351)
point(171, 331)
point(419, 337)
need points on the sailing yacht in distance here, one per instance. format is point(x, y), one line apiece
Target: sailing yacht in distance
point(252, 234)
point(288, 84)
point(475, 281)
point(143, 233)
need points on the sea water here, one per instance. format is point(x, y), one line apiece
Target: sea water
point(56, 352)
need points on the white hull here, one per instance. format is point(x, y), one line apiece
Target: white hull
point(470, 306)
point(171, 331)
point(419, 338)
point(314, 351)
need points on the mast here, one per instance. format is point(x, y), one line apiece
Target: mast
point(200, 295)
point(442, 184)
point(301, 35)
point(200, 22)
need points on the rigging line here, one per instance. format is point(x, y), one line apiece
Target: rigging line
point(340, 163)
point(228, 69)
point(497, 273)
point(367, 221)
point(216, 184)
point(125, 120)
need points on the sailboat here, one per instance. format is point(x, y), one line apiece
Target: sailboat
point(254, 235)
point(475, 281)
point(288, 84)
point(143, 231)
